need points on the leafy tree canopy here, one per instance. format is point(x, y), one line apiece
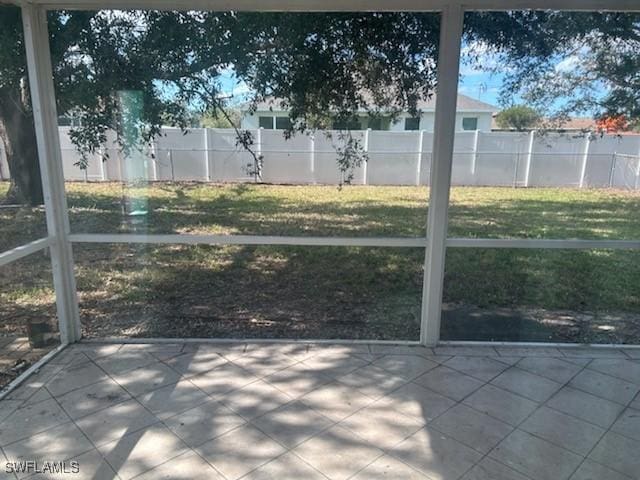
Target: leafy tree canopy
point(518, 117)
point(569, 64)
point(345, 63)
point(216, 119)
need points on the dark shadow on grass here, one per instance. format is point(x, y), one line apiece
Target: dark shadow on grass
point(314, 292)
point(245, 292)
point(235, 212)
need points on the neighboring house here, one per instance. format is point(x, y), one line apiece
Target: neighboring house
point(471, 114)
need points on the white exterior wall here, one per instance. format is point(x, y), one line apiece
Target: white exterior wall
point(251, 122)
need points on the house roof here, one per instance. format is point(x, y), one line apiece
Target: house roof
point(573, 123)
point(579, 123)
point(464, 103)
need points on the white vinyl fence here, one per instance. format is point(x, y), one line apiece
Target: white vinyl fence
point(395, 158)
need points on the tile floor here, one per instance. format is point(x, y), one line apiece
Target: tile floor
point(317, 411)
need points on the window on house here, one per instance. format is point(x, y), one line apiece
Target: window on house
point(378, 123)
point(283, 123)
point(353, 124)
point(470, 123)
point(266, 123)
point(412, 123)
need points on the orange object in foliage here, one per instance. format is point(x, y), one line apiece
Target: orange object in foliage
point(613, 124)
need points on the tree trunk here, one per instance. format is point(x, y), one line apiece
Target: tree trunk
point(18, 134)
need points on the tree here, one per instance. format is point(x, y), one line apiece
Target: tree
point(567, 64)
point(344, 63)
point(216, 119)
point(613, 124)
point(176, 58)
point(518, 117)
point(17, 130)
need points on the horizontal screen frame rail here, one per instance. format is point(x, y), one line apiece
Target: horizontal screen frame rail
point(25, 250)
point(188, 239)
point(400, 242)
point(540, 243)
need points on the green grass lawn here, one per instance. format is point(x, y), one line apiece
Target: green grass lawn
point(329, 292)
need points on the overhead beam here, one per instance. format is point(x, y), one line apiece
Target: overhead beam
point(335, 5)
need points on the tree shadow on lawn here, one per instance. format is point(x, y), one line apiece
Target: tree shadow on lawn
point(20, 225)
point(586, 296)
point(278, 210)
point(235, 211)
point(330, 292)
point(245, 292)
point(353, 293)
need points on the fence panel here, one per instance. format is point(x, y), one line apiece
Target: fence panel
point(600, 161)
point(395, 158)
point(286, 161)
point(557, 160)
point(70, 158)
point(326, 169)
point(230, 162)
point(427, 156)
point(464, 158)
point(181, 156)
point(501, 159)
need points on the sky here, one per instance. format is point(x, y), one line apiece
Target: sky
point(481, 86)
point(474, 83)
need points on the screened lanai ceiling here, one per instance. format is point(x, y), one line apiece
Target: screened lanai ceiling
point(338, 5)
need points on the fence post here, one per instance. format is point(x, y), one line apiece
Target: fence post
point(207, 166)
point(613, 169)
point(101, 159)
point(585, 158)
point(527, 169)
point(173, 173)
point(365, 147)
point(258, 170)
point(312, 157)
point(154, 160)
point(420, 147)
point(474, 159)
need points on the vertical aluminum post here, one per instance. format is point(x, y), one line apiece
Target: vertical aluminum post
point(444, 130)
point(45, 117)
